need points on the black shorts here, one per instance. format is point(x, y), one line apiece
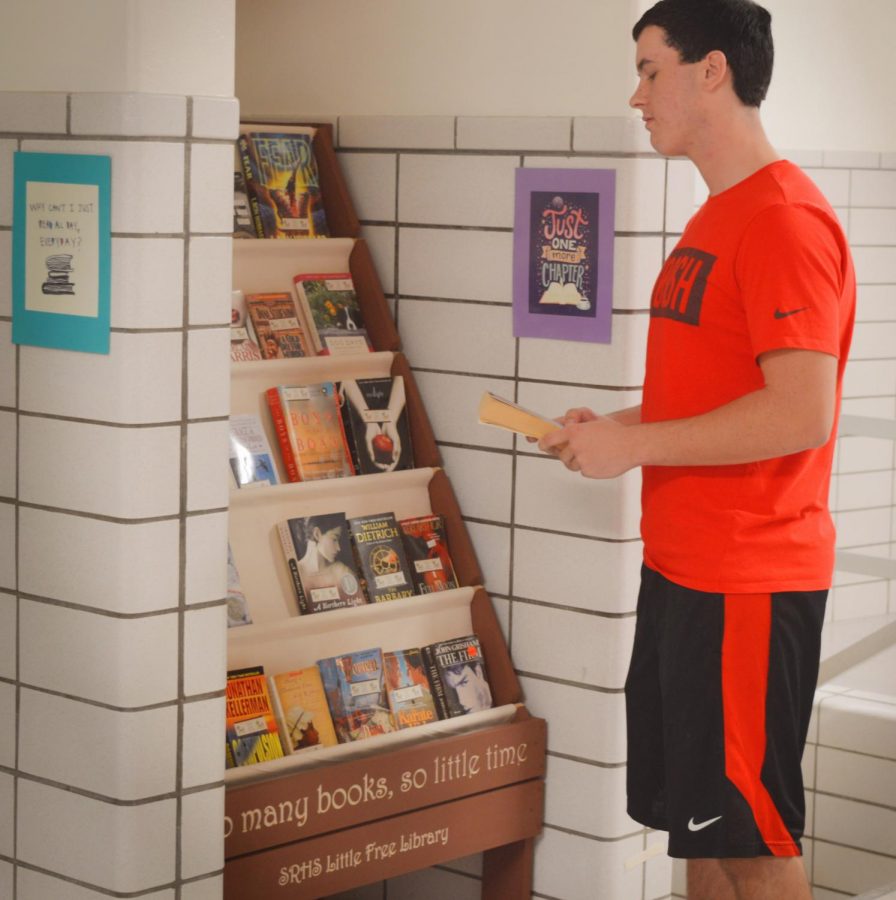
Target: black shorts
point(718, 699)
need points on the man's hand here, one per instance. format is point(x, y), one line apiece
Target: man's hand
point(596, 446)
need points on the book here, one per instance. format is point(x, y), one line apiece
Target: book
point(243, 226)
point(252, 734)
point(251, 459)
point(309, 429)
point(243, 343)
point(427, 551)
point(458, 676)
point(278, 330)
point(407, 688)
point(237, 605)
point(331, 308)
point(502, 413)
point(283, 184)
point(381, 558)
point(375, 418)
point(301, 708)
point(318, 554)
point(356, 693)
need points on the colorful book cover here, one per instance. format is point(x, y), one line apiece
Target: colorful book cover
point(251, 460)
point(381, 557)
point(252, 734)
point(407, 687)
point(283, 184)
point(356, 694)
point(321, 564)
point(458, 676)
point(237, 606)
point(427, 551)
point(243, 226)
point(333, 312)
point(376, 424)
point(277, 327)
point(315, 430)
point(300, 705)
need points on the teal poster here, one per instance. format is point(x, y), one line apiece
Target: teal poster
point(61, 251)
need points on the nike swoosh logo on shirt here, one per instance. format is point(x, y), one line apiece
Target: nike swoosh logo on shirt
point(784, 313)
point(695, 826)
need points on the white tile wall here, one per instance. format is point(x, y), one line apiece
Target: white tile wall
point(5, 267)
point(8, 632)
point(158, 115)
point(205, 578)
point(7, 366)
point(215, 117)
point(513, 133)
point(201, 848)
point(39, 886)
point(7, 818)
point(484, 490)
point(371, 181)
point(147, 181)
point(211, 209)
point(126, 848)
point(204, 722)
point(7, 546)
point(121, 755)
point(428, 264)
point(148, 282)
point(138, 382)
point(27, 113)
point(135, 570)
point(492, 544)
point(208, 353)
point(143, 461)
point(8, 458)
point(73, 652)
point(396, 132)
point(208, 471)
point(610, 134)
point(205, 650)
point(211, 263)
point(8, 724)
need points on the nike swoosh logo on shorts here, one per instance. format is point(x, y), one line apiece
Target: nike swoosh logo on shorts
point(784, 313)
point(695, 826)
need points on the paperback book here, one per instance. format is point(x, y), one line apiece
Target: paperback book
point(243, 226)
point(376, 423)
point(252, 734)
point(427, 551)
point(502, 413)
point(303, 714)
point(331, 308)
point(408, 690)
point(251, 460)
point(318, 554)
point(309, 429)
point(356, 694)
point(283, 184)
point(277, 327)
point(380, 551)
point(237, 606)
point(243, 343)
point(458, 676)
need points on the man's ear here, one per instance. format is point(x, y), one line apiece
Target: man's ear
point(715, 69)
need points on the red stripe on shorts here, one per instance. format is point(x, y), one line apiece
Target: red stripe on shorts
point(745, 652)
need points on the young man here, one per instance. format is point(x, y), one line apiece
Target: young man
point(751, 319)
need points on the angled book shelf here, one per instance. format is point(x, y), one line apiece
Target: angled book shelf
point(318, 823)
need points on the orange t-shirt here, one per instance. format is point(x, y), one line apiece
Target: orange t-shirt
point(762, 266)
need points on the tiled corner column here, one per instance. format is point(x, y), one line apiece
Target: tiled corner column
point(113, 515)
point(560, 555)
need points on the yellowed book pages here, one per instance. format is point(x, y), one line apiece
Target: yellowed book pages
point(495, 410)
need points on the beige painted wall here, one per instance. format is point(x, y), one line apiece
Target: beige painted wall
point(530, 58)
point(140, 46)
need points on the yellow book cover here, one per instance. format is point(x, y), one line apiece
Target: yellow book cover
point(495, 410)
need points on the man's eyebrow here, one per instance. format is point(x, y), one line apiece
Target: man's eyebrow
point(643, 63)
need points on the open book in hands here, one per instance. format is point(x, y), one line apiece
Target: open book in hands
point(495, 410)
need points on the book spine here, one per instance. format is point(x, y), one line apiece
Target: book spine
point(278, 417)
point(279, 716)
point(246, 161)
point(292, 563)
point(435, 682)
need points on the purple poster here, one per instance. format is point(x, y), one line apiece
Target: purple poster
point(563, 254)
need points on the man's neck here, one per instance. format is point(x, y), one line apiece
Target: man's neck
point(733, 150)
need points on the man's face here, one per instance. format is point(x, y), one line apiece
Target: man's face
point(668, 94)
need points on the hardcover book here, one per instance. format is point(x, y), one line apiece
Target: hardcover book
point(283, 184)
point(300, 705)
point(407, 687)
point(381, 557)
point(427, 552)
point(458, 677)
point(321, 565)
point(356, 694)
point(278, 330)
point(251, 460)
point(376, 424)
point(237, 606)
point(331, 308)
point(252, 734)
point(309, 429)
